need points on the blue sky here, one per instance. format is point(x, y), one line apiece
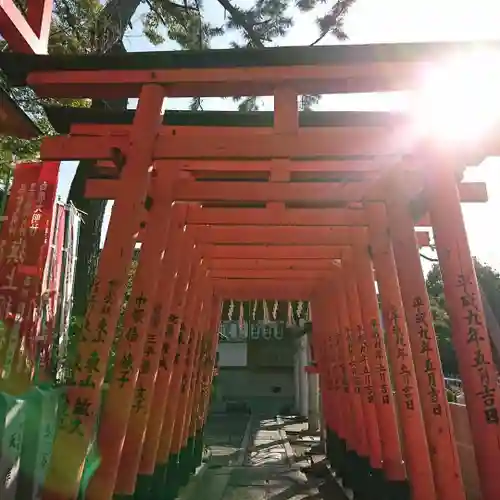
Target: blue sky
point(373, 22)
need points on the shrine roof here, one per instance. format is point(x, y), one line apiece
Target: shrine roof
point(17, 66)
point(63, 117)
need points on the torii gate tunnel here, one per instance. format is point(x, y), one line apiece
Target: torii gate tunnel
point(287, 205)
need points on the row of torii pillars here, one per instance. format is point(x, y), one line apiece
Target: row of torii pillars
point(399, 432)
point(383, 395)
point(358, 402)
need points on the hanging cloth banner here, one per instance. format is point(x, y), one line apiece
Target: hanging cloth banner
point(73, 221)
point(51, 285)
point(13, 238)
point(24, 240)
point(37, 249)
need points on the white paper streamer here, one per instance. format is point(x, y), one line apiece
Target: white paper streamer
point(266, 312)
point(275, 310)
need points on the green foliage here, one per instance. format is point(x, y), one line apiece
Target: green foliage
point(260, 25)
point(489, 281)
point(451, 396)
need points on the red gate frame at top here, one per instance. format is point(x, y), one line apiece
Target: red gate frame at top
point(30, 33)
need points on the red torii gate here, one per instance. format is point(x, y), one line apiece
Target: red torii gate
point(185, 288)
point(28, 34)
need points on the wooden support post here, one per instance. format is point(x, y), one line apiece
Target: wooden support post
point(164, 466)
point(358, 446)
point(323, 360)
point(114, 418)
point(209, 367)
point(468, 325)
point(193, 436)
point(437, 417)
point(182, 440)
point(361, 365)
point(83, 399)
point(339, 410)
point(165, 369)
point(416, 450)
point(152, 357)
point(345, 415)
point(323, 340)
point(392, 459)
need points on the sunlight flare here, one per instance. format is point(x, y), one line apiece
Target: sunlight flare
point(460, 99)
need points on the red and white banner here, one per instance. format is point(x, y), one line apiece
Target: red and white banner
point(24, 241)
point(51, 285)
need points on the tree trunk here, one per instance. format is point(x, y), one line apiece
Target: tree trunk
point(116, 17)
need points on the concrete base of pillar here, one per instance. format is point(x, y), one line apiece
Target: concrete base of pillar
point(143, 487)
point(313, 406)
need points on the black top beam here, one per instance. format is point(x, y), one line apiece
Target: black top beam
point(18, 66)
point(62, 118)
point(17, 122)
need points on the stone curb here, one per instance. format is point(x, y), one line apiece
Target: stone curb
point(187, 492)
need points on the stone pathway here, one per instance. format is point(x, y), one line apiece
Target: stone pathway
point(267, 470)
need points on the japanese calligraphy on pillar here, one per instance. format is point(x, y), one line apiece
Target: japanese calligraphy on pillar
point(189, 361)
point(342, 371)
point(139, 401)
point(126, 363)
point(70, 416)
point(352, 362)
point(367, 379)
point(425, 348)
point(381, 367)
point(335, 371)
point(404, 367)
point(168, 344)
point(476, 339)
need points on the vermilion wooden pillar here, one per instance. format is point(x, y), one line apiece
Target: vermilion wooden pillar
point(392, 459)
point(362, 366)
point(184, 436)
point(208, 373)
point(78, 421)
point(468, 326)
point(324, 327)
point(359, 451)
point(149, 372)
point(193, 438)
point(416, 450)
point(165, 370)
point(114, 417)
point(346, 411)
point(437, 417)
point(166, 464)
point(323, 359)
point(178, 444)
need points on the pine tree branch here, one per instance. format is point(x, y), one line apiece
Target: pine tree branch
point(430, 259)
point(115, 16)
point(239, 18)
